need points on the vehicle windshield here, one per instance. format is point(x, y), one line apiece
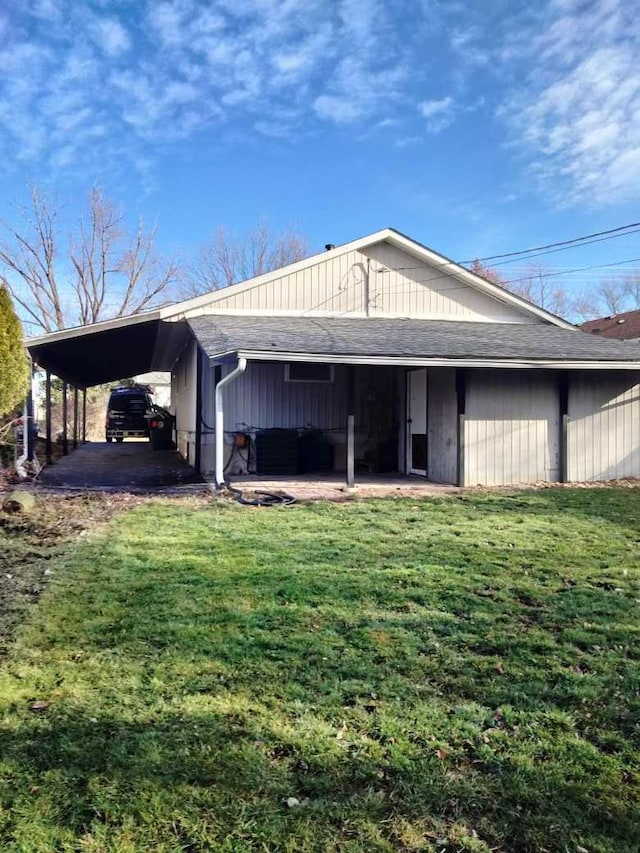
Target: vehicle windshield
point(134, 403)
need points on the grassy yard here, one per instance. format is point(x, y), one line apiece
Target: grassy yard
point(456, 674)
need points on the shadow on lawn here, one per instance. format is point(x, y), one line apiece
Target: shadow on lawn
point(208, 779)
point(412, 680)
point(620, 506)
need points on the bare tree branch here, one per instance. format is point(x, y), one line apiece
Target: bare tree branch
point(227, 258)
point(105, 272)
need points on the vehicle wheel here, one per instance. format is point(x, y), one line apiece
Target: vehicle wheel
point(119, 440)
point(109, 439)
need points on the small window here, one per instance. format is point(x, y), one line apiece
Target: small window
point(303, 371)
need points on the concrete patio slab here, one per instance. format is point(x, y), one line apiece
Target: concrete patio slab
point(334, 487)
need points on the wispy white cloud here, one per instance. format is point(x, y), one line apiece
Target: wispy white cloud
point(98, 81)
point(110, 35)
point(125, 75)
point(576, 114)
point(438, 113)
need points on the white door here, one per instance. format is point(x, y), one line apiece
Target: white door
point(417, 422)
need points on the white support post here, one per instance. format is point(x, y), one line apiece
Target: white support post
point(351, 457)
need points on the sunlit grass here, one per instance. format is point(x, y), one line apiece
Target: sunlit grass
point(450, 675)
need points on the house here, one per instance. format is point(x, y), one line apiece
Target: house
point(446, 375)
point(623, 327)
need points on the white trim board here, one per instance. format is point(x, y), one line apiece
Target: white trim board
point(418, 361)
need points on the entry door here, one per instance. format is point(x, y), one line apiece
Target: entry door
point(417, 422)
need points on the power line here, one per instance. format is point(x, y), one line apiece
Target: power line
point(548, 249)
point(564, 248)
point(576, 242)
point(613, 231)
point(504, 284)
point(579, 269)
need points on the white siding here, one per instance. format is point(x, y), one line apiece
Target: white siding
point(512, 430)
point(260, 399)
point(381, 281)
point(183, 401)
point(410, 288)
point(334, 286)
point(442, 416)
point(603, 433)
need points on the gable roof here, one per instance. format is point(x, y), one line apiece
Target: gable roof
point(623, 326)
point(389, 235)
point(178, 310)
point(403, 340)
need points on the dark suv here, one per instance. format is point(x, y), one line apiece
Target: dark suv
point(126, 412)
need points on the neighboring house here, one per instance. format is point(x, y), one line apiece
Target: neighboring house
point(160, 386)
point(623, 327)
point(448, 375)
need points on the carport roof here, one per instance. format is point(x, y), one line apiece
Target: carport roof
point(110, 351)
point(377, 339)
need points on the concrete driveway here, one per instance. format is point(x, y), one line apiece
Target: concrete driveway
point(131, 467)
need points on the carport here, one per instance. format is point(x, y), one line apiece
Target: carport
point(86, 356)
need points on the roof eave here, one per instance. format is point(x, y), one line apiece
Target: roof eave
point(424, 361)
point(94, 328)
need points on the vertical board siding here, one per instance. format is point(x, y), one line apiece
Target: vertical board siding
point(603, 435)
point(261, 399)
point(442, 431)
point(512, 427)
point(334, 286)
point(380, 281)
point(207, 453)
point(183, 400)
point(400, 285)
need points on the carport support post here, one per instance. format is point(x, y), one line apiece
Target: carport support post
point(84, 415)
point(65, 418)
point(29, 425)
point(47, 406)
point(75, 417)
point(351, 456)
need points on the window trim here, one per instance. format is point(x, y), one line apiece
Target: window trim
point(329, 381)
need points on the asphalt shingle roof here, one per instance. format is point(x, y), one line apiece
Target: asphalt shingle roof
point(396, 338)
point(620, 326)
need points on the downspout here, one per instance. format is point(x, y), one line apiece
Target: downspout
point(219, 418)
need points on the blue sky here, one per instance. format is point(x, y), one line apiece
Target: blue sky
point(476, 128)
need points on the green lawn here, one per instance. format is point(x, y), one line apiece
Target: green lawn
point(455, 674)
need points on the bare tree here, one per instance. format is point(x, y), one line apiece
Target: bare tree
point(608, 296)
point(227, 258)
point(535, 285)
point(99, 272)
point(632, 290)
point(488, 273)
point(612, 295)
point(585, 306)
point(531, 284)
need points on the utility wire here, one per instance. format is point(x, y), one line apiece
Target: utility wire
point(549, 249)
point(524, 255)
point(564, 248)
point(511, 280)
point(612, 231)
